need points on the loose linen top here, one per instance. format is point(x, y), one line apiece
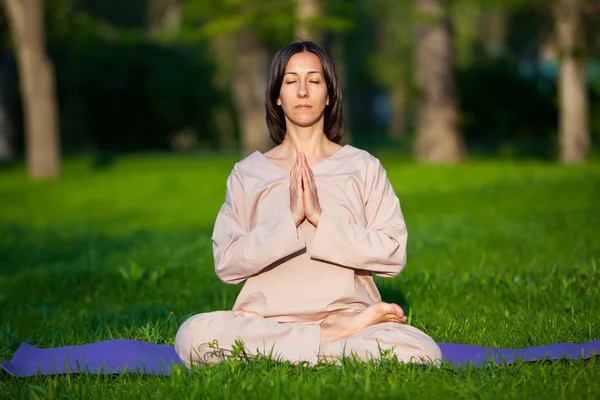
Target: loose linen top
point(302, 274)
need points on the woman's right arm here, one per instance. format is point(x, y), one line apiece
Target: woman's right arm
point(240, 252)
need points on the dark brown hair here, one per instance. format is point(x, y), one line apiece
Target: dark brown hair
point(333, 126)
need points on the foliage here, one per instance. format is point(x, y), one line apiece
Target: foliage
point(135, 94)
point(506, 113)
point(273, 20)
point(500, 254)
point(123, 89)
point(120, 90)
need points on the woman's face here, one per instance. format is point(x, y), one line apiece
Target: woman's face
point(303, 94)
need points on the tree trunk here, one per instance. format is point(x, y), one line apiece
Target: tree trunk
point(496, 29)
point(250, 82)
point(438, 135)
point(164, 16)
point(36, 78)
point(574, 135)
point(397, 94)
point(306, 12)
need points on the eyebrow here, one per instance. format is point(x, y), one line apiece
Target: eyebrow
point(308, 73)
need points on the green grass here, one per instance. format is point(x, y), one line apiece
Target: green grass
point(500, 254)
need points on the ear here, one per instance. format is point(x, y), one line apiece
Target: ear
point(278, 102)
point(327, 102)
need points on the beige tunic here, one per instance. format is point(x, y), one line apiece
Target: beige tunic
point(295, 276)
point(303, 273)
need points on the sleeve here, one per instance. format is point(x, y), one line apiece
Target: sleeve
point(380, 247)
point(240, 252)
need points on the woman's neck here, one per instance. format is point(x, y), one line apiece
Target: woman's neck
point(311, 141)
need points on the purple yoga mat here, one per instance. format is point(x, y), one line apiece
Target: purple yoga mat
point(118, 356)
point(109, 357)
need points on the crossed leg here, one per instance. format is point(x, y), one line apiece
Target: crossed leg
point(209, 337)
point(407, 343)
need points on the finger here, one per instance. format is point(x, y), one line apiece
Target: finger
point(310, 176)
point(297, 167)
point(298, 164)
point(309, 172)
point(305, 182)
point(293, 173)
point(300, 180)
point(296, 172)
point(310, 193)
point(293, 181)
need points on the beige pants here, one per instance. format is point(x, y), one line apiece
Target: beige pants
point(210, 338)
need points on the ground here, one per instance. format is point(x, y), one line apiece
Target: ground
point(501, 253)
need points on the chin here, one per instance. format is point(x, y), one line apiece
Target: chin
point(306, 121)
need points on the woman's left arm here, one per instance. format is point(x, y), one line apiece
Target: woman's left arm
point(379, 247)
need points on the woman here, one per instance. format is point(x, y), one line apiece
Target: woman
point(306, 225)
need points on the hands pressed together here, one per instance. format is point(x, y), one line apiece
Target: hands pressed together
point(304, 201)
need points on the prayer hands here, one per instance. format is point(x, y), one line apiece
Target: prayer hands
point(304, 201)
point(296, 192)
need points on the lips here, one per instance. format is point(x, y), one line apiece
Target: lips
point(303, 107)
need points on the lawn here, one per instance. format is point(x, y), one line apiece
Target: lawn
point(501, 253)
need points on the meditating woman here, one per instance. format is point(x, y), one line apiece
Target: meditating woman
point(306, 225)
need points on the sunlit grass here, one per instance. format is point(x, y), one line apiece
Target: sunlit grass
point(500, 254)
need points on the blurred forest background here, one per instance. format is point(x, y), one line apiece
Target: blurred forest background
point(438, 80)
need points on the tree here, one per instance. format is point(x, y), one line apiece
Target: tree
point(251, 28)
point(574, 135)
point(438, 136)
point(164, 17)
point(389, 64)
point(307, 11)
point(36, 79)
point(250, 81)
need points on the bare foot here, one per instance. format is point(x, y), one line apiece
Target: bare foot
point(245, 313)
point(339, 326)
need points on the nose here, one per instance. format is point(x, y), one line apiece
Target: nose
point(302, 90)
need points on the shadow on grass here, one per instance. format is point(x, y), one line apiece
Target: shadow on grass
point(67, 286)
point(77, 248)
point(105, 160)
point(12, 163)
point(50, 270)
